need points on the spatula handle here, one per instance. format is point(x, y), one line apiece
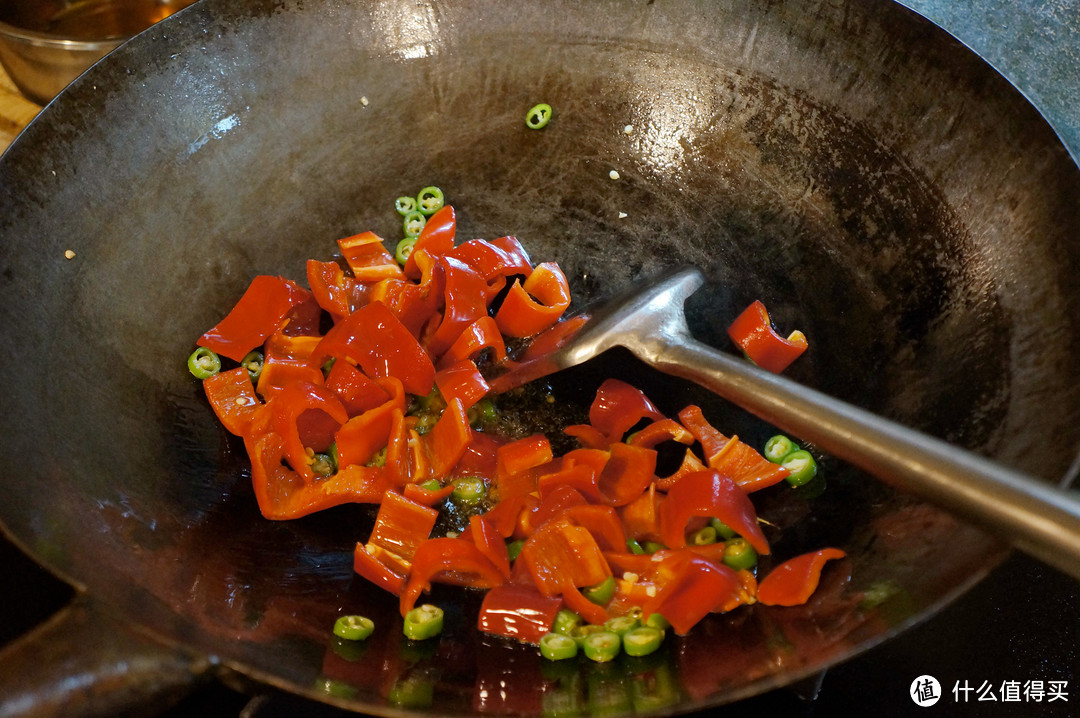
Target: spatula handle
point(1038, 518)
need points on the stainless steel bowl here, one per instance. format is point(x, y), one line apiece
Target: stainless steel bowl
point(45, 44)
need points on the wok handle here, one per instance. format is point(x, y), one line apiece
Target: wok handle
point(83, 662)
point(1040, 519)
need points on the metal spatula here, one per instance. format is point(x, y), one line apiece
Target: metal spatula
point(1037, 518)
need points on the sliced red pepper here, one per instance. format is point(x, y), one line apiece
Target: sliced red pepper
point(695, 589)
point(357, 392)
point(283, 494)
point(379, 343)
point(536, 304)
point(380, 567)
point(436, 239)
point(462, 381)
point(587, 436)
point(641, 517)
point(233, 399)
point(362, 436)
point(453, 561)
point(397, 465)
point(290, 407)
point(602, 522)
point(690, 465)
point(518, 611)
point(753, 332)
point(402, 526)
point(709, 494)
point(261, 311)
point(749, 469)
point(794, 581)
point(465, 302)
point(415, 305)
point(335, 292)
point(580, 477)
point(479, 457)
point(446, 442)
point(514, 461)
point(505, 515)
point(593, 613)
point(660, 431)
point(478, 336)
point(500, 258)
point(368, 259)
point(628, 472)
point(555, 504)
point(427, 497)
point(485, 535)
point(618, 407)
point(560, 554)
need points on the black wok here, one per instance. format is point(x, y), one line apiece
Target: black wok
point(873, 182)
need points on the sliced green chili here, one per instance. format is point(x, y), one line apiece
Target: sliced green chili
point(634, 547)
point(642, 641)
point(801, 465)
point(323, 465)
point(469, 489)
point(621, 624)
point(413, 223)
point(580, 632)
point(723, 531)
point(431, 485)
point(565, 621)
point(482, 412)
point(653, 547)
point(416, 691)
point(404, 249)
point(253, 362)
point(354, 628)
point(655, 620)
point(601, 593)
point(558, 647)
point(778, 447)
point(602, 646)
point(203, 363)
point(404, 205)
point(739, 554)
point(423, 622)
point(538, 116)
point(704, 536)
point(430, 200)
point(513, 549)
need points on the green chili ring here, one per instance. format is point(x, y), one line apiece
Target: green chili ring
point(469, 489)
point(430, 200)
point(622, 624)
point(801, 465)
point(602, 646)
point(602, 593)
point(423, 622)
point(778, 447)
point(739, 554)
point(565, 622)
point(404, 249)
point(538, 116)
point(642, 641)
point(413, 223)
point(203, 363)
point(253, 362)
point(404, 205)
point(558, 647)
point(354, 628)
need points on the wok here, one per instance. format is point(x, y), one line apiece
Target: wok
point(873, 182)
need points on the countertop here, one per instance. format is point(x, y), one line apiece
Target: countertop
point(1019, 626)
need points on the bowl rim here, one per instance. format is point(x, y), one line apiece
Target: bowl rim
point(43, 39)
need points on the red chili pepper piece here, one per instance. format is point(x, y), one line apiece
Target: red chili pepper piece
point(641, 517)
point(617, 407)
point(402, 526)
point(754, 334)
point(500, 258)
point(465, 302)
point(448, 439)
point(436, 239)
point(333, 290)
point(518, 611)
point(368, 259)
point(357, 392)
point(306, 416)
point(709, 493)
point(452, 561)
point(379, 343)
point(362, 436)
point(794, 581)
point(560, 554)
point(628, 472)
point(536, 304)
point(484, 534)
point(462, 381)
point(478, 336)
point(233, 399)
point(414, 305)
point(749, 469)
point(696, 588)
point(260, 312)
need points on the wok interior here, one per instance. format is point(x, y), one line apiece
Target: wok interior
point(798, 154)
